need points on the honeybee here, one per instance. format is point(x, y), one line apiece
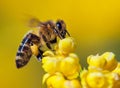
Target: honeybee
point(45, 35)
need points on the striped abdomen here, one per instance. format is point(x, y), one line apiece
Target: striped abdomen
point(24, 51)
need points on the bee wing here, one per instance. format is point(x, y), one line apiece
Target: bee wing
point(34, 22)
point(30, 20)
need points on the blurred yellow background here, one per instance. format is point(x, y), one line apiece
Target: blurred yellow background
point(94, 24)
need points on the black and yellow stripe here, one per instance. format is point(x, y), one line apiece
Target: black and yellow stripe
point(24, 52)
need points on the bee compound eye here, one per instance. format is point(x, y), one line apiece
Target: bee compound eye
point(59, 26)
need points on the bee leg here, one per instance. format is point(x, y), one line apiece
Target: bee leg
point(54, 40)
point(39, 56)
point(47, 43)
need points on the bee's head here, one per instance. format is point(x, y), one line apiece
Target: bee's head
point(61, 29)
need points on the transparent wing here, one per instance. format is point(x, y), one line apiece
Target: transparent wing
point(34, 22)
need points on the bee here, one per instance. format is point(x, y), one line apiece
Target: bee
point(45, 35)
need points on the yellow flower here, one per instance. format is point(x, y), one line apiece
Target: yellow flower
point(83, 76)
point(93, 79)
point(55, 81)
point(96, 61)
point(50, 64)
point(70, 66)
point(45, 77)
point(117, 69)
point(113, 79)
point(111, 62)
point(106, 61)
point(64, 62)
point(72, 84)
point(66, 46)
point(48, 53)
point(63, 68)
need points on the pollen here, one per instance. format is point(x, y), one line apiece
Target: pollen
point(34, 49)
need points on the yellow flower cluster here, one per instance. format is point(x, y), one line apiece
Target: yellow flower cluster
point(103, 72)
point(63, 69)
point(62, 66)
